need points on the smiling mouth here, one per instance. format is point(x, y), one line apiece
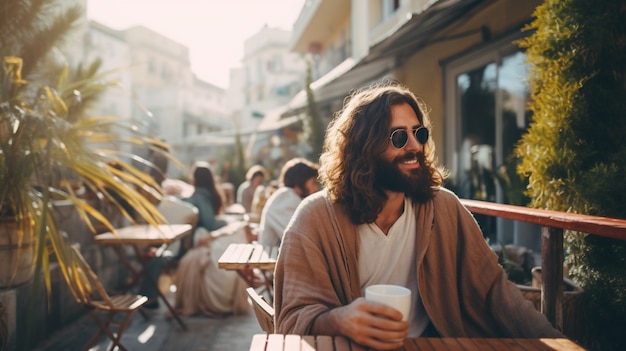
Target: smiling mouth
point(410, 161)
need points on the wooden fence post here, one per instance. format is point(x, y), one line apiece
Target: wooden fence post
point(552, 275)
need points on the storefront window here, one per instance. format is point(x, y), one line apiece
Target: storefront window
point(487, 113)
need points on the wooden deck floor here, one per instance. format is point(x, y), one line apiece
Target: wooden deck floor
point(157, 333)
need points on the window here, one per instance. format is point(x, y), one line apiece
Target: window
point(259, 69)
point(151, 66)
point(260, 92)
point(275, 65)
point(248, 75)
point(486, 111)
point(389, 7)
point(345, 46)
point(283, 90)
point(165, 72)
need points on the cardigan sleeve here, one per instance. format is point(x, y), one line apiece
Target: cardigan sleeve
point(311, 275)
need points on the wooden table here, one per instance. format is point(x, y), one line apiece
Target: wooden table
point(280, 342)
point(138, 237)
point(244, 257)
point(145, 234)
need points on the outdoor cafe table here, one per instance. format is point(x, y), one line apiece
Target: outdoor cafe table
point(138, 237)
point(281, 342)
point(243, 257)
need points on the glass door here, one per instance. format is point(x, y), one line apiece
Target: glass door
point(486, 114)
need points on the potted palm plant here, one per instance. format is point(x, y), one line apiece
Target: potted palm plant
point(49, 143)
point(47, 146)
point(51, 146)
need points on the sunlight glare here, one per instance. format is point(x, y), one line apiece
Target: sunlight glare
point(147, 334)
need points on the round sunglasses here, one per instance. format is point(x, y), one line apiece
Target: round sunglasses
point(400, 137)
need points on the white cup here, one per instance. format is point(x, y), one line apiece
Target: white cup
point(394, 296)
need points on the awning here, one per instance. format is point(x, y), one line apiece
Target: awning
point(422, 28)
point(273, 120)
point(339, 82)
point(416, 33)
point(225, 137)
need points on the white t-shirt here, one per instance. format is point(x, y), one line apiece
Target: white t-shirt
point(390, 259)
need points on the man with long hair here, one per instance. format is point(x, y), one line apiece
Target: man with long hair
point(384, 218)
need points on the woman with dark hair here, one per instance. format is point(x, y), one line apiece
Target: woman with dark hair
point(207, 197)
point(201, 287)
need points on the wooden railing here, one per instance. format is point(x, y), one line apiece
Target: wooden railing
point(553, 224)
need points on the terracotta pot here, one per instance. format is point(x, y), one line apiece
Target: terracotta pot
point(16, 256)
point(572, 294)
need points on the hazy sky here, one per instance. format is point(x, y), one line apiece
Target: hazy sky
point(213, 30)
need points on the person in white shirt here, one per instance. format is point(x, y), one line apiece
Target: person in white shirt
point(298, 179)
point(255, 176)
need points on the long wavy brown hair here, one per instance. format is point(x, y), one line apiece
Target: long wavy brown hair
point(356, 138)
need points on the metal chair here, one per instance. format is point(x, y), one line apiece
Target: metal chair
point(263, 311)
point(81, 279)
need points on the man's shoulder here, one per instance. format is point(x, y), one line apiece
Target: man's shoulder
point(281, 192)
point(316, 199)
point(313, 205)
point(445, 194)
point(281, 197)
point(445, 197)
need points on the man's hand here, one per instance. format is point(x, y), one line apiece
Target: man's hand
point(368, 323)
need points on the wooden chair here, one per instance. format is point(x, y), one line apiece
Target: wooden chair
point(80, 279)
point(263, 311)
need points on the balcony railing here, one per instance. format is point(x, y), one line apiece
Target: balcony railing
point(553, 224)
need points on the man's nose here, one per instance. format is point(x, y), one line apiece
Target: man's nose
point(412, 144)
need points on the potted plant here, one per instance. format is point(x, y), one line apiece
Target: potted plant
point(51, 147)
point(47, 146)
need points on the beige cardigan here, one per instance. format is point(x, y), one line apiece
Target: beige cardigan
point(464, 290)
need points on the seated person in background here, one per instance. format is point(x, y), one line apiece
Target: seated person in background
point(255, 176)
point(177, 187)
point(203, 288)
point(384, 218)
point(261, 194)
point(157, 162)
point(207, 197)
point(298, 179)
point(228, 190)
point(156, 166)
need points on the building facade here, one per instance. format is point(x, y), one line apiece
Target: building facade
point(270, 75)
point(158, 90)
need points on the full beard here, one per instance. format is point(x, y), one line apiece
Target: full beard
point(416, 183)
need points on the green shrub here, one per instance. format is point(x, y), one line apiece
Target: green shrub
point(575, 150)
